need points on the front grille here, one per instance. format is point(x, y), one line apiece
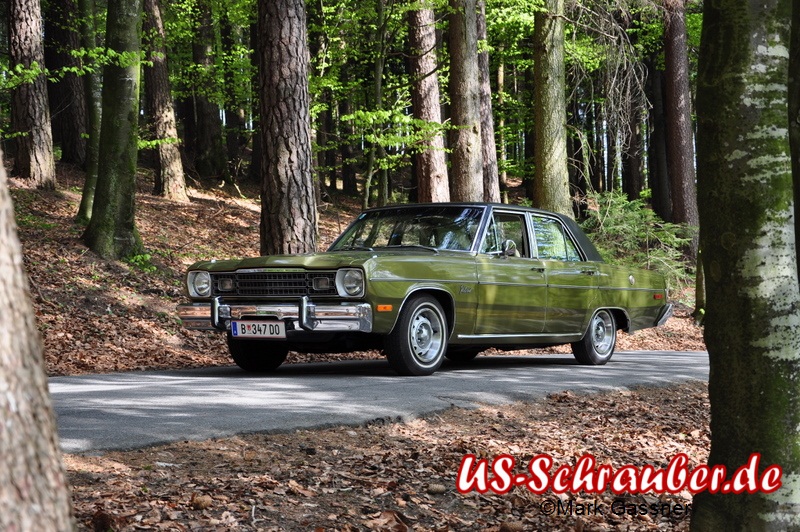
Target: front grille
point(273, 284)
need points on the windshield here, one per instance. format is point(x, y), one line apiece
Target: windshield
point(432, 227)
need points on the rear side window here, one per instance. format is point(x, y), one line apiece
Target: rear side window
point(551, 241)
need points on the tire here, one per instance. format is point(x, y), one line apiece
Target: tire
point(462, 353)
point(417, 344)
point(597, 345)
point(257, 356)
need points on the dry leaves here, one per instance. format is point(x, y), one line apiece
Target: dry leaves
point(398, 476)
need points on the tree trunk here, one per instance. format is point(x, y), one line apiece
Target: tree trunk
point(169, 182)
point(632, 181)
point(551, 185)
point(210, 161)
point(659, 175)
point(465, 101)
point(112, 230)
point(491, 179)
point(346, 150)
point(750, 260)
point(92, 91)
point(794, 112)
point(288, 206)
point(430, 164)
point(33, 487)
point(30, 115)
point(66, 95)
point(235, 139)
point(680, 146)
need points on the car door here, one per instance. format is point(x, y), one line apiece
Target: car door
point(512, 292)
point(572, 282)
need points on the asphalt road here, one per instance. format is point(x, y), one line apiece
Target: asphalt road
point(133, 410)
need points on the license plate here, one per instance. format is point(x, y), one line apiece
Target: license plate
point(258, 329)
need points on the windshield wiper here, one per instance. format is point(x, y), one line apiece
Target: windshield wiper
point(414, 246)
point(354, 248)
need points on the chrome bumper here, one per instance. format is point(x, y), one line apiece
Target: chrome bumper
point(666, 313)
point(305, 315)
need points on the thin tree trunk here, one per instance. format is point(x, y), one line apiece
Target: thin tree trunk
point(92, 91)
point(431, 166)
point(30, 114)
point(465, 139)
point(680, 145)
point(210, 160)
point(288, 205)
point(491, 180)
point(170, 182)
point(659, 175)
point(66, 95)
point(551, 185)
point(33, 486)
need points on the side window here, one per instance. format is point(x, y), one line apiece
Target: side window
point(503, 227)
point(551, 241)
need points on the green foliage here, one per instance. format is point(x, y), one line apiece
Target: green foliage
point(630, 233)
point(142, 262)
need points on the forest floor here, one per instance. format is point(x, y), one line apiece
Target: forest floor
point(100, 316)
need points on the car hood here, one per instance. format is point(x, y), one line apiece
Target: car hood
point(314, 261)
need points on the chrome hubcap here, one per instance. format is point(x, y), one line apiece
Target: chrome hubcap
point(426, 335)
point(602, 333)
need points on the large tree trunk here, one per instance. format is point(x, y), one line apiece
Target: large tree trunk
point(680, 145)
point(67, 96)
point(431, 166)
point(750, 260)
point(288, 206)
point(169, 182)
point(33, 486)
point(491, 179)
point(30, 114)
point(465, 110)
point(112, 230)
point(551, 184)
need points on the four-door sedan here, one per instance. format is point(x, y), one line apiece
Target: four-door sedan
point(424, 282)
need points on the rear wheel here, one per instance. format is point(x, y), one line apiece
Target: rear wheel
point(257, 356)
point(418, 342)
point(597, 345)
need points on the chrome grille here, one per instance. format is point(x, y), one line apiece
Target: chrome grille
point(272, 284)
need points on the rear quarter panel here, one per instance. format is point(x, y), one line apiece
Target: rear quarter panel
point(640, 293)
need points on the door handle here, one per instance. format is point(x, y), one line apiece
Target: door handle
point(589, 272)
point(538, 269)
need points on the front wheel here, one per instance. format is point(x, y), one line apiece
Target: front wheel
point(597, 345)
point(257, 356)
point(418, 342)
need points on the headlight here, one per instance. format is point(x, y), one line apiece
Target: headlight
point(199, 284)
point(350, 282)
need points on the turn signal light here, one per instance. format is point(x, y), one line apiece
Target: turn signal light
point(384, 308)
point(658, 296)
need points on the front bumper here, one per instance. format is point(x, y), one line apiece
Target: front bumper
point(304, 315)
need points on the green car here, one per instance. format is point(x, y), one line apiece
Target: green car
point(425, 282)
